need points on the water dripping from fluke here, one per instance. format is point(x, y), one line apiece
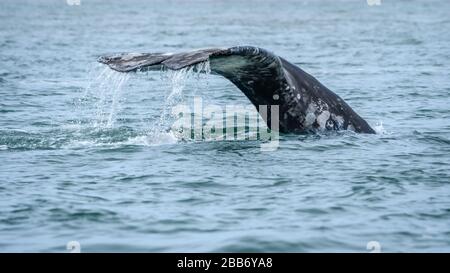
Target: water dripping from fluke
point(177, 80)
point(103, 105)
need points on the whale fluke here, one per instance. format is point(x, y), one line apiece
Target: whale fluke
point(305, 105)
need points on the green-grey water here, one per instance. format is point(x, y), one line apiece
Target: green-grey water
point(85, 155)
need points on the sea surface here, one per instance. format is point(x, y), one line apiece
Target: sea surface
point(93, 156)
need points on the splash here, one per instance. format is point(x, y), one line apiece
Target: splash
point(379, 129)
point(109, 96)
point(177, 80)
point(104, 89)
point(102, 102)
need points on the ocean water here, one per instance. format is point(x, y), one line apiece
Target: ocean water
point(87, 154)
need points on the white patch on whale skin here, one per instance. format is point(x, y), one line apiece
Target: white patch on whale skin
point(322, 119)
point(311, 108)
point(318, 112)
point(351, 127)
point(309, 119)
point(338, 119)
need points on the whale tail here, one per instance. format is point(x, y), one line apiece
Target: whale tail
point(264, 78)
